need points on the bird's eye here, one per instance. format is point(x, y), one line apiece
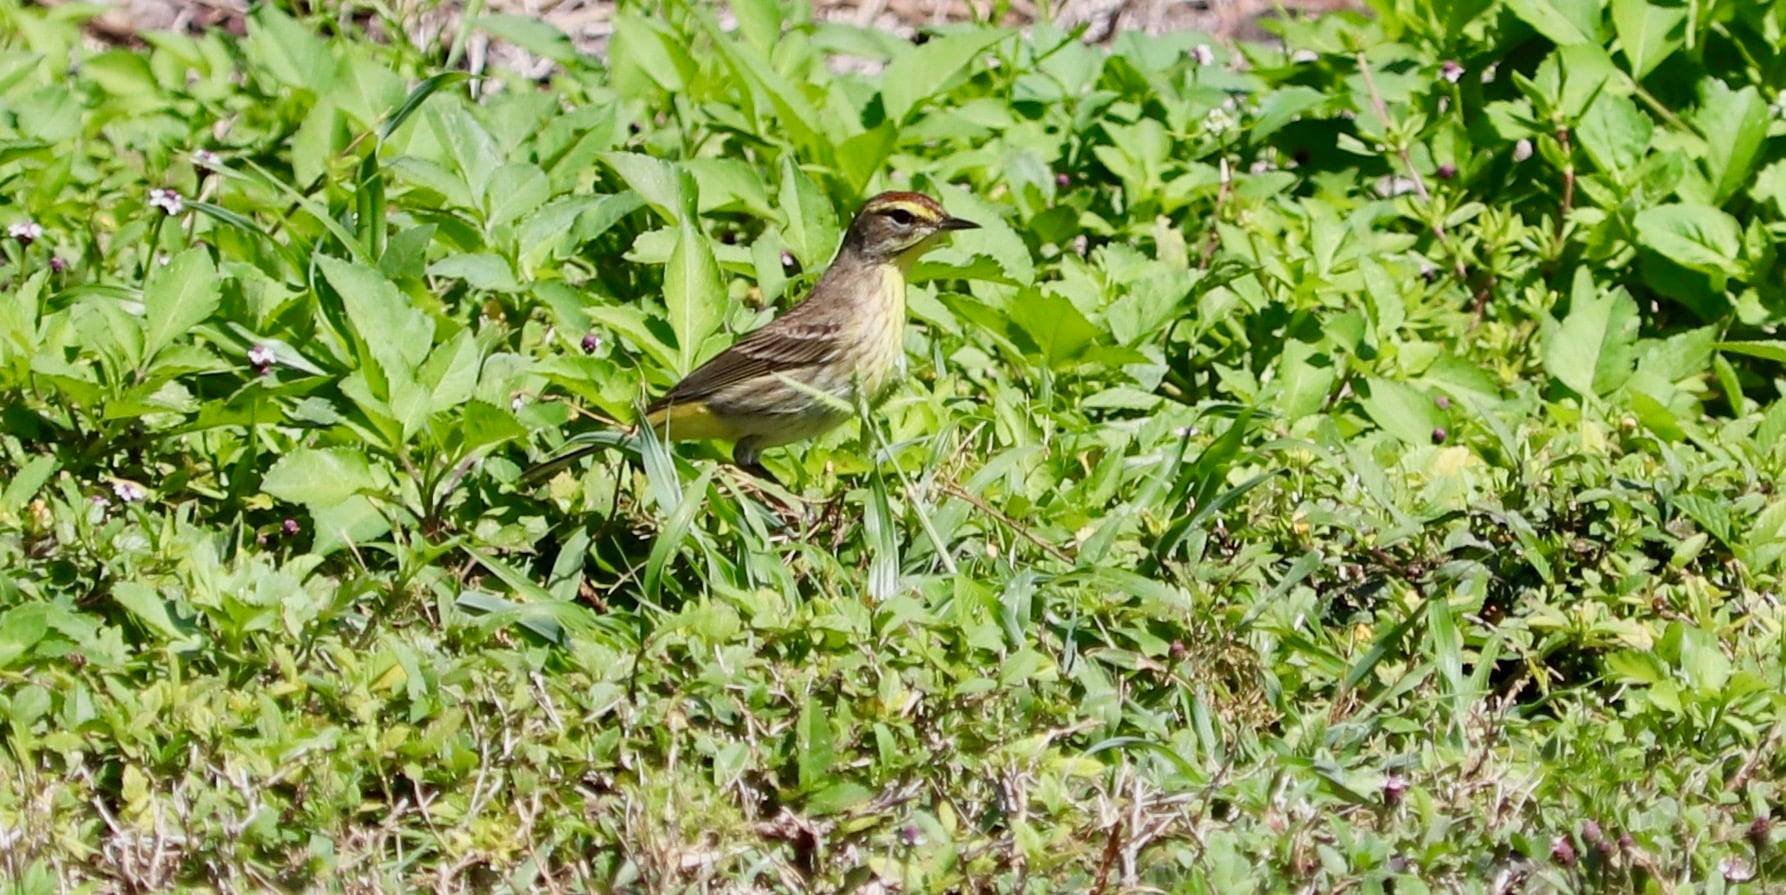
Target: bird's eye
point(900, 216)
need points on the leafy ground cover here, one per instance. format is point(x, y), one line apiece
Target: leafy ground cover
point(1344, 465)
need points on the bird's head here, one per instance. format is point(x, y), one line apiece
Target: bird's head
point(900, 226)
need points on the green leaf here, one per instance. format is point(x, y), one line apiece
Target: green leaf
point(428, 87)
point(694, 292)
point(396, 334)
point(815, 744)
point(1774, 351)
point(1401, 410)
point(920, 72)
point(1697, 237)
point(21, 627)
point(319, 478)
point(654, 180)
point(1735, 123)
point(1615, 133)
point(812, 230)
point(535, 35)
point(1648, 33)
point(1565, 22)
point(484, 271)
point(1592, 351)
point(178, 297)
point(290, 52)
point(148, 607)
point(515, 190)
point(1056, 326)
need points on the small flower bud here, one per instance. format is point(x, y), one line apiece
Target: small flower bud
point(58, 265)
point(1447, 171)
point(1202, 54)
point(1304, 55)
point(1395, 789)
point(262, 356)
point(910, 836)
point(591, 343)
point(1758, 832)
point(1522, 150)
point(1488, 74)
point(1451, 71)
point(1062, 179)
point(1442, 402)
point(290, 527)
point(1177, 650)
point(788, 262)
point(1562, 851)
point(205, 158)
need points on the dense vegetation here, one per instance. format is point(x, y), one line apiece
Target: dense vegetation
point(1343, 465)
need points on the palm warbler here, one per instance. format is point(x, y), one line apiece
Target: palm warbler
point(792, 379)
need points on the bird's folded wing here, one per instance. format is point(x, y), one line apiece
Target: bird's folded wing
point(785, 344)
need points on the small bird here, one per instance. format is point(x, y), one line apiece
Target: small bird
point(768, 389)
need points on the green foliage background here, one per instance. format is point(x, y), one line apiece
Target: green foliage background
point(1349, 463)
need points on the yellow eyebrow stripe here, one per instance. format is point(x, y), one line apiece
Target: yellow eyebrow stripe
point(915, 208)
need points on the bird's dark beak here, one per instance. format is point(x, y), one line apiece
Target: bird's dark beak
point(958, 224)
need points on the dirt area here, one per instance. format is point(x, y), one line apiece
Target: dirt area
point(588, 22)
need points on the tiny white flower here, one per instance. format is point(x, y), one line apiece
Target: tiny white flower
point(205, 158)
point(1202, 54)
point(1451, 71)
point(1304, 55)
point(163, 259)
point(1260, 166)
point(128, 491)
point(1488, 74)
point(519, 402)
point(1522, 150)
point(261, 356)
point(26, 231)
point(167, 200)
point(1217, 121)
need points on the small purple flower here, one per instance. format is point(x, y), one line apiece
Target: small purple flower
point(1447, 171)
point(128, 491)
point(1062, 179)
point(1442, 402)
point(167, 200)
point(1758, 832)
point(1451, 71)
point(26, 231)
point(1202, 54)
point(58, 265)
point(1394, 790)
point(290, 528)
point(910, 836)
point(1562, 851)
point(262, 356)
point(205, 158)
point(592, 343)
point(1522, 150)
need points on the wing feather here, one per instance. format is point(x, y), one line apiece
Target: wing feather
point(789, 342)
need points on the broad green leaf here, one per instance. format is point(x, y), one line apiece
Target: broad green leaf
point(289, 51)
point(1591, 352)
point(21, 627)
point(1734, 122)
point(1697, 237)
point(395, 333)
point(652, 179)
point(694, 292)
point(148, 607)
point(1648, 32)
point(515, 190)
point(815, 744)
point(319, 478)
point(1402, 410)
point(1053, 323)
point(1774, 351)
point(479, 271)
point(920, 72)
point(178, 297)
point(1565, 22)
point(535, 35)
point(1615, 133)
point(812, 229)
